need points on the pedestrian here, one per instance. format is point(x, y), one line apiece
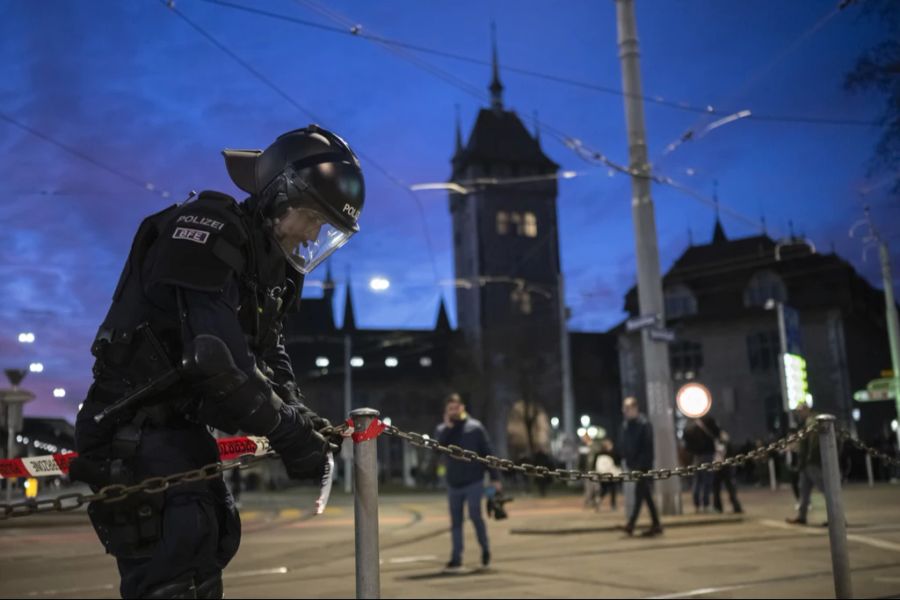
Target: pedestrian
point(193, 339)
point(700, 440)
point(724, 476)
point(809, 464)
point(637, 452)
point(465, 480)
point(606, 463)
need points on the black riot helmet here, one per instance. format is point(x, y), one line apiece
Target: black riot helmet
point(311, 169)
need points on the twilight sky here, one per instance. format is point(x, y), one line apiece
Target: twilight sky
point(137, 95)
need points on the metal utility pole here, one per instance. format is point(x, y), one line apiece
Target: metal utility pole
point(660, 400)
point(568, 414)
point(891, 309)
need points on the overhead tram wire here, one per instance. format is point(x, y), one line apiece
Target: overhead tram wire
point(569, 141)
point(144, 185)
point(357, 32)
point(311, 115)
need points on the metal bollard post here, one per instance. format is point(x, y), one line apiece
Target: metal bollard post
point(773, 479)
point(869, 472)
point(837, 523)
point(365, 507)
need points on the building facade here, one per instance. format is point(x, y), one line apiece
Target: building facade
point(721, 301)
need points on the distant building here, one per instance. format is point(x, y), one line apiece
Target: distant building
point(719, 301)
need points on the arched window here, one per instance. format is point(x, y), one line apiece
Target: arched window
point(680, 301)
point(764, 286)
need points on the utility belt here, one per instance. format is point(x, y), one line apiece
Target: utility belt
point(131, 371)
point(130, 528)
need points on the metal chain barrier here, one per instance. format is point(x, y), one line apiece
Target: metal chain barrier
point(508, 466)
point(887, 459)
point(154, 485)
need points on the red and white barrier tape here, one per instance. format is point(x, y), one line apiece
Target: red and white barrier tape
point(58, 464)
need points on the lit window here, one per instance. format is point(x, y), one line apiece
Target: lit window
point(322, 362)
point(522, 300)
point(357, 361)
point(391, 362)
point(502, 222)
point(425, 361)
point(530, 225)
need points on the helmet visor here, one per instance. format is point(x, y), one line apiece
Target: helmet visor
point(314, 239)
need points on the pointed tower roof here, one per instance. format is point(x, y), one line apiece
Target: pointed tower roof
point(459, 139)
point(496, 87)
point(443, 322)
point(718, 231)
point(349, 323)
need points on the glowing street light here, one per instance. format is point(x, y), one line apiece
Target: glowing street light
point(36, 367)
point(585, 420)
point(357, 361)
point(26, 338)
point(379, 284)
point(59, 393)
point(554, 422)
point(322, 362)
point(391, 362)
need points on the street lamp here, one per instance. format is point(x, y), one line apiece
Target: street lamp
point(379, 284)
point(59, 393)
point(36, 367)
point(26, 338)
point(585, 420)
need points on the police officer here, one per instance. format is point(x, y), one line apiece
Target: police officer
point(193, 341)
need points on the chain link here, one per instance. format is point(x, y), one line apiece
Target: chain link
point(118, 492)
point(529, 470)
point(157, 485)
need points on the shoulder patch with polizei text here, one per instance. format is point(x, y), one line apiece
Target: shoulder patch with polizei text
point(194, 235)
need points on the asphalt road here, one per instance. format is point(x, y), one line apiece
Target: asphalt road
point(548, 548)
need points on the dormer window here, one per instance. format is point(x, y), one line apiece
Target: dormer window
point(680, 301)
point(764, 286)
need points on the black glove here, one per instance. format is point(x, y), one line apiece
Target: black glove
point(291, 394)
point(303, 450)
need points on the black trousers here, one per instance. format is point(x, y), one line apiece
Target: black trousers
point(199, 537)
point(723, 477)
point(643, 493)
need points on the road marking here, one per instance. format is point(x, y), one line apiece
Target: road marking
point(257, 572)
point(290, 513)
point(402, 560)
point(853, 537)
point(699, 592)
point(98, 588)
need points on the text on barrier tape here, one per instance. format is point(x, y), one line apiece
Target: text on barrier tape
point(58, 464)
point(372, 431)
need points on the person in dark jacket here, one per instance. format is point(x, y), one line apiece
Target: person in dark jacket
point(700, 440)
point(809, 464)
point(465, 480)
point(636, 444)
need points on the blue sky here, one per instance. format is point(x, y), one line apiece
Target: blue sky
point(135, 87)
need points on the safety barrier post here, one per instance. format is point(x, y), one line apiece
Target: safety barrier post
point(365, 507)
point(837, 523)
point(869, 473)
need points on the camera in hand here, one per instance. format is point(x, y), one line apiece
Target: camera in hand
point(495, 504)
